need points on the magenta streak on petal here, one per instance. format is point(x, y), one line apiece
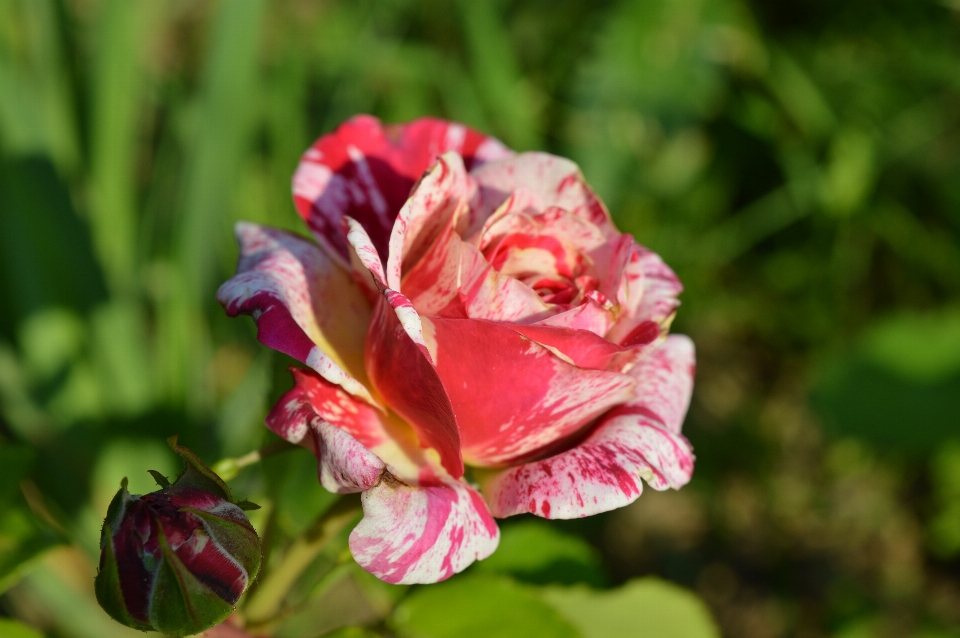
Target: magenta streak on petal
point(583, 347)
point(587, 316)
point(486, 294)
point(435, 203)
point(601, 474)
point(512, 396)
point(297, 297)
point(638, 440)
point(337, 429)
point(422, 534)
point(365, 170)
point(550, 182)
point(665, 382)
point(401, 370)
point(648, 293)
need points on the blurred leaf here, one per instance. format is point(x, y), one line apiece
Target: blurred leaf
point(916, 347)
point(537, 552)
point(15, 629)
point(858, 399)
point(513, 105)
point(130, 458)
point(22, 540)
point(478, 606)
point(16, 461)
point(45, 253)
point(944, 528)
point(644, 608)
point(118, 99)
point(50, 339)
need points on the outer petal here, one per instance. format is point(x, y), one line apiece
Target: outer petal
point(604, 471)
point(550, 181)
point(304, 305)
point(401, 367)
point(365, 170)
point(300, 416)
point(648, 293)
point(512, 396)
point(422, 534)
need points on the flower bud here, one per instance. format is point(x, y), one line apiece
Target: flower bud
point(176, 560)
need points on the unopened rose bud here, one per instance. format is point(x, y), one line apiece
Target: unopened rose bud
point(176, 560)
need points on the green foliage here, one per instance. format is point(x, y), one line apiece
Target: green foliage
point(644, 608)
point(535, 552)
point(478, 606)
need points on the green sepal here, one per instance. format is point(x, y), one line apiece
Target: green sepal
point(161, 480)
point(180, 604)
point(106, 585)
point(239, 541)
point(115, 511)
point(197, 475)
point(246, 505)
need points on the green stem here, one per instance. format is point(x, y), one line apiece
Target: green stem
point(266, 602)
point(229, 467)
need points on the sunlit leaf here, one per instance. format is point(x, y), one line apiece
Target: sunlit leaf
point(478, 606)
point(644, 608)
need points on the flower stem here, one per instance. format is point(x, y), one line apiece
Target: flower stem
point(229, 467)
point(266, 602)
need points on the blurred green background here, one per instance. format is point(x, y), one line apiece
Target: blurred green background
point(797, 162)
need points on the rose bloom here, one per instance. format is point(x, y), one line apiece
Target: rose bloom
point(480, 339)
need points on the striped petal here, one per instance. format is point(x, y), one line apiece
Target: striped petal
point(305, 305)
point(401, 366)
point(435, 204)
point(648, 293)
point(422, 534)
point(604, 472)
point(512, 396)
point(549, 181)
point(303, 416)
point(366, 170)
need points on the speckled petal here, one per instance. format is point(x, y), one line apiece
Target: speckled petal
point(304, 305)
point(365, 170)
point(303, 416)
point(514, 397)
point(638, 441)
point(422, 534)
point(549, 181)
point(648, 293)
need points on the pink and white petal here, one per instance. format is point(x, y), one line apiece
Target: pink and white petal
point(345, 464)
point(437, 200)
point(312, 395)
point(551, 181)
point(422, 534)
point(365, 170)
point(665, 382)
point(363, 250)
point(486, 294)
point(589, 315)
point(583, 348)
point(603, 473)
point(648, 293)
point(433, 284)
point(401, 368)
point(512, 396)
point(304, 304)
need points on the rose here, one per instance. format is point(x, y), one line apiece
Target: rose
point(488, 316)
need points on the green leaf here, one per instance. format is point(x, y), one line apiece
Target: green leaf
point(539, 553)
point(478, 606)
point(15, 461)
point(21, 542)
point(643, 608)
point(15, 629)
point(916, 347)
